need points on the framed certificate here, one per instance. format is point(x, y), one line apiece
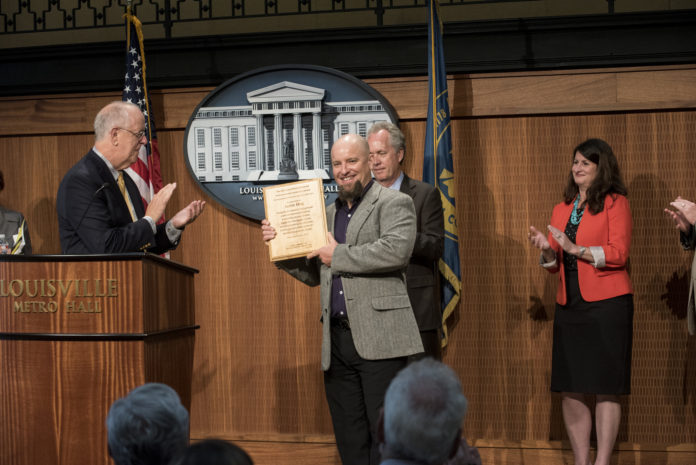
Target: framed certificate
point(297, 212)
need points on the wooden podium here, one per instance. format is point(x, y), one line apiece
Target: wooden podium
point(78, 332)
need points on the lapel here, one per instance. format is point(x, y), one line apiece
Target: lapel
point(567, 210)
point(134, 195)
point(590, 225)
point(559, 220)
point(362, 213)
point(407, 187)
point(102, 170)
point(105, 175)
point(331, 217)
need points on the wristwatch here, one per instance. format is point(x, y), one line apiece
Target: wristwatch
point(582, 251)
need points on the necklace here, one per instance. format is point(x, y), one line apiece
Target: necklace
point(575, 217)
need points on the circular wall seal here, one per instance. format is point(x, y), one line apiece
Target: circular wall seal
point(273, 125)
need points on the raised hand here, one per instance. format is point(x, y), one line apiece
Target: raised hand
point(188, 214)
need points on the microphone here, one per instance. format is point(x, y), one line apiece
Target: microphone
point(94, 196)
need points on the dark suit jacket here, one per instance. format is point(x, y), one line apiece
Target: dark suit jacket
point(107, 226)
point(422, 273)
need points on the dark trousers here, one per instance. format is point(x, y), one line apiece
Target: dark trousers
point(432, 345)
point(355, 390)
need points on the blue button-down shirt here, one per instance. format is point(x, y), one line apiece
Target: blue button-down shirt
point(397, 184)
point(343, 216)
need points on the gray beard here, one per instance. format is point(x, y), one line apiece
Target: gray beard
point(349, 195)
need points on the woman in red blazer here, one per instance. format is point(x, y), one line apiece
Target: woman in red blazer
point(587, 245)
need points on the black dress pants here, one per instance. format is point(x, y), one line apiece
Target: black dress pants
point(355, 390)
point(432, 346)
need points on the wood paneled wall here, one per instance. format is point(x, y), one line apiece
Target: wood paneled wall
point(257, 378)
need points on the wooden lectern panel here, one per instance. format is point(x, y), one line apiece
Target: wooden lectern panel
point(56, 395)
point(75, 335)
point(97, 296)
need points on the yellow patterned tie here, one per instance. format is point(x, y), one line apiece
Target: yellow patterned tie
point(122, 186)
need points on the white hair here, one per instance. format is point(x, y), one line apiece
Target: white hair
point(114, 114)
point(149, 426)
point(396, 137)
point(423, 411)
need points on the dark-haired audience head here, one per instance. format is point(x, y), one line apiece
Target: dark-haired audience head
point(608, 179)
point(423, 412)
point(214, 452)
point(149, 426)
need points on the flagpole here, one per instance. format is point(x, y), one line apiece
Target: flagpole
point(147, 166)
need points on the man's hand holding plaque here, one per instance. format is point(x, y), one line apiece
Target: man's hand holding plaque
point(295, 224)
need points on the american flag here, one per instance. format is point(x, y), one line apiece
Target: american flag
point(146, 170)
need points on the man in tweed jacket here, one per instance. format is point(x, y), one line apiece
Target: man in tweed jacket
point(368, 324)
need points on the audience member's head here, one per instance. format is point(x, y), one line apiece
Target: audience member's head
point(423, 411)
point(147, 427)
point(214, 452)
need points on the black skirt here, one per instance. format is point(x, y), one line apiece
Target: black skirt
point(592, 343)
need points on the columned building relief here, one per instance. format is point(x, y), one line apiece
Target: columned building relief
point(284, 122)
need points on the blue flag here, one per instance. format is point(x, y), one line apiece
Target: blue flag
point(438, 168)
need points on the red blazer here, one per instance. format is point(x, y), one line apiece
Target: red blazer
point(610, 229)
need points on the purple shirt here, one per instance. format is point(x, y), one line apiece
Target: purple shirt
point(343, 216)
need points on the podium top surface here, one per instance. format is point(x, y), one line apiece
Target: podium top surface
point(143, 256)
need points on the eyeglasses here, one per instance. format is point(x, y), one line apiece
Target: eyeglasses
point(138, 135)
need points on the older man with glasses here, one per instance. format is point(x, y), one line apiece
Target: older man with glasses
point(99, 206)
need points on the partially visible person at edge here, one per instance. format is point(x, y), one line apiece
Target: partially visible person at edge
point(587, 244)
point(14, 226)
point(98, 204)
point(684, 217)
point(387, 150)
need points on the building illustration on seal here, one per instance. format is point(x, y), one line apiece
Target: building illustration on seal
point(285, 133)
